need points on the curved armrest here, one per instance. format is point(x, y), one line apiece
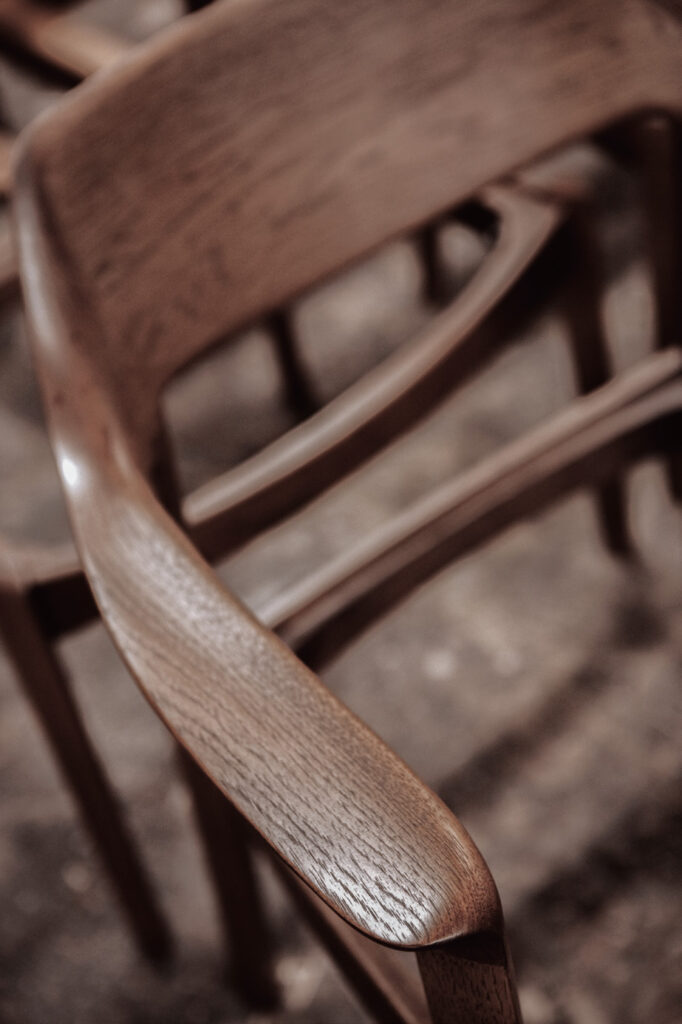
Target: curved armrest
point(326, 793)
point(392, 397)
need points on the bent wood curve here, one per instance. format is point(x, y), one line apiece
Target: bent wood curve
point(578, 446)
point(272, 166)
point(327, 794)
point(386, 401)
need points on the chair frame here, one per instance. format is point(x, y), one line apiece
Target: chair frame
point(365, 862)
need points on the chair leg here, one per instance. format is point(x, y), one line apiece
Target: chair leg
point(591, 360)
point(47, 689)
point(225, 837)
point(428, 246)
point(658, 148)
point(470, 981)
point(299, 390)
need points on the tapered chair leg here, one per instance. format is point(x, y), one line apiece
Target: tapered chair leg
point(470, 981)
point(658, 148)
point(591, 359)
point(225, 838)
point(46, 687)
point(435, 290)
point(299, 390)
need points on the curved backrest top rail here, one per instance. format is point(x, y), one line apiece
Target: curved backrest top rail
point(260, 145)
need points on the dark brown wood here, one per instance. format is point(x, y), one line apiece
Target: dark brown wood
point(658, 155)
point(46, 687)
point(658, 145)
point(592, 359)
point(580, 445)
point(428, 246)
point(299, 389)
point(234, 507)
point(470, 979)
point(347, 213)
point(226, 847)
point(385, 981)
point(281, 141)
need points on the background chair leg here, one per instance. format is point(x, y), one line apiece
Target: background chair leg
point(658, 155)
point(299, 391)
point(46, 687)
point(470, 981)
point(428, 247)
point(227, 847)
point(591, 360)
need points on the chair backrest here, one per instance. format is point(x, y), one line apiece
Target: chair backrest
point(261, 145)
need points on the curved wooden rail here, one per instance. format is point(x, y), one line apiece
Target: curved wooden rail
point(386, 401)
point(328, 795)
point(578, 446)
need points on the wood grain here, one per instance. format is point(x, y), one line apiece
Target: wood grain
point(275, 143)
point(308, 165)
point(581, 444)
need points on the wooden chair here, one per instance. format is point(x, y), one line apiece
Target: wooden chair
point(43, 594)
point(72, 49)
point(309, 166)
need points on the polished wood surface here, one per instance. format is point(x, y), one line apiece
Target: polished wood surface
point(252, 170)
point(298, 466)
point(354, 161)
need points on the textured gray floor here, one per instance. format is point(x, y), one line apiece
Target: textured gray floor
point(535, 685)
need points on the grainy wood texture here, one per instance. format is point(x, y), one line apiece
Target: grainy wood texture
point(659, 156)
point(470, 979)
point(277, 142)
point(380, 977)
point(226, 846)
point(423, 126)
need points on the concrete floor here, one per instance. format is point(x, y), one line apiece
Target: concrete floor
point(535, 685)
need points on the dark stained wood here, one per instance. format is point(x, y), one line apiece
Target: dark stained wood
point(226, 847)
point(394, 164)
point(299, 389)
point(276, 143)
point(380, 977)
point(584, 443)
point(273, 724)
point(428, 244)
point(48, 692)
point(232, 508)
point(470, 979)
